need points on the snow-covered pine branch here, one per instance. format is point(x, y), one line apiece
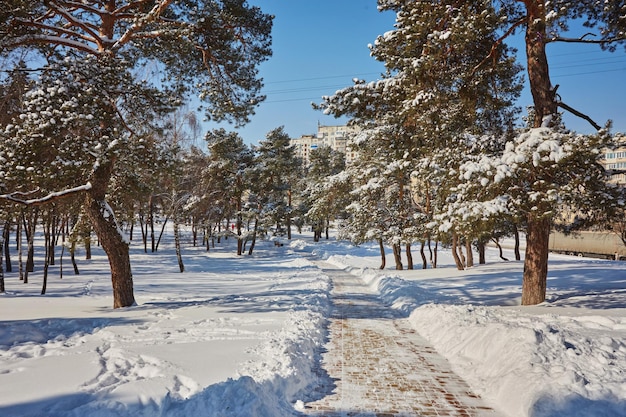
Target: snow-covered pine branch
point(15, 197)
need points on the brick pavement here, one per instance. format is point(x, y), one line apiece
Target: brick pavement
point(377, 365)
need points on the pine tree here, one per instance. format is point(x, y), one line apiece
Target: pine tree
point(543, 23)
point(436, 92)
point(277, 170)
point(229, 162)
point(323, 193)
point(209, 47)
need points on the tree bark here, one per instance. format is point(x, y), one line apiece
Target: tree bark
point(253, 243)
point(455, 252)
point(383, 257)
point(516, 249)
point(179, 255)
point(397, 256)
point(481, 252)
point(499, 249)
point(536, 258)
point(424, 260)
point(470, 254)
point(534, 281)
point(409, 256)
point(288, 217)
point(8, 267)
point(73, 258)
point(1, 267)
point(239, 227)
point(537, 62)
point(110, 236)
point(47, 238)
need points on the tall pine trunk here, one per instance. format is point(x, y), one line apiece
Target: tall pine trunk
point(423, 254)
point(239, 227)
point(536, 258)
point(455, 252)
point(409, 256)
point(536, 261)
point(383, 257)
point(110, 236)
point(397, 256)
point(470, 254)
point(8, 267)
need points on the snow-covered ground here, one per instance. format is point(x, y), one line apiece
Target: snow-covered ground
point(239, 336)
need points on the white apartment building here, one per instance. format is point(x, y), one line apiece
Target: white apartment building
point(338, 138)
point(616, 159)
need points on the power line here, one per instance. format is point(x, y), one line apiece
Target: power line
point(590, 72)
point(322, 78)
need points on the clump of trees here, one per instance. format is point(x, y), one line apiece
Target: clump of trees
point(441, 156)
point(108, 73)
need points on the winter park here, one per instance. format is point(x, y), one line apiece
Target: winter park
point(450, 241)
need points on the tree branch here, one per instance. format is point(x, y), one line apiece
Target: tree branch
point(589, 41)
point(72, 21)
point(497, 43)
point(579, 114)
point(52, 40)
point(52, 196)
point(151, 16)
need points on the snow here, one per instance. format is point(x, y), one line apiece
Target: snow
point(240, 336)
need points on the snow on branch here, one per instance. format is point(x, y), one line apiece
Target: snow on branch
point(151, 16)
point(55, 40)
point(591, 41)
point(15, 197)
point(496, 44)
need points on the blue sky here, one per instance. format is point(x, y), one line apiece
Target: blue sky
point(320, 45)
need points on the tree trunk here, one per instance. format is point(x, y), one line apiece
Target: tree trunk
point(537, 63)
point(536, 261)
point(455, 252)
point(499, 249)
point(256, 227)
point(20, 258)
point(435, 254)
point(47, 237)
point(288, 219)
point(30, 223)
point(516, 249)
point(2, 290)
point(409, 256)
point(538, 233)
point(87, 242)
point(397, 256)
point(383, 257)
point(144, 233)
point(459, 248)
point(110, 236)
point(73, 258)
point(470, 254)
point(481, 251)
point(239, 228)
point(179, 256)
point(8, 267)
point(423, 254)
point(326, 228)
point(151, 222)
point(158, 242)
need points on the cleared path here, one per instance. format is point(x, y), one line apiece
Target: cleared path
point(377, 365)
